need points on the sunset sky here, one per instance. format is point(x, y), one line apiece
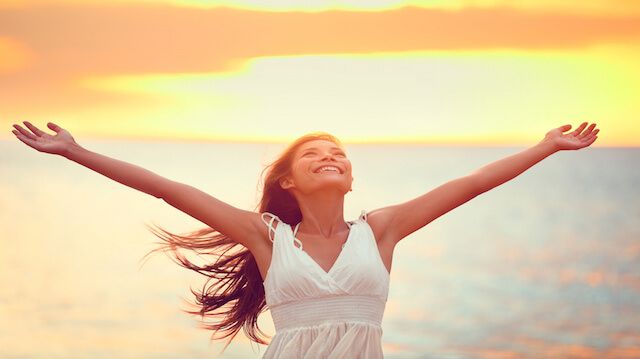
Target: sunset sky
point(433, 72)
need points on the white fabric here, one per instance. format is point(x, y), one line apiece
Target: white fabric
point(319, 314)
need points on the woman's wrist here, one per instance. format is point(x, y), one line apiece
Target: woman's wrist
point(548, 146)
point(72, 150)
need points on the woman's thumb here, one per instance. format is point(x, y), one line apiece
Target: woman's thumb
point(564, 128)
point(54, 127)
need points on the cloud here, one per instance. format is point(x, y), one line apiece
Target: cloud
point(135, 39)
point(69, 43)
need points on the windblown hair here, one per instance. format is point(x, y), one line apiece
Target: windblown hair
point(234, 293)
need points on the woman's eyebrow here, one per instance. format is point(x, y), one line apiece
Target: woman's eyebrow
point(315, 148)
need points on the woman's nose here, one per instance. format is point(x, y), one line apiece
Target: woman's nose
point(327, 155)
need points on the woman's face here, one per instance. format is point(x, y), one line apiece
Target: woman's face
point(319, 164)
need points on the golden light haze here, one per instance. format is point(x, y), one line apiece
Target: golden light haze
point(498, 73)
point(620, 7)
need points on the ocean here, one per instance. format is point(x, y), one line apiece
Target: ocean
point(546, 265)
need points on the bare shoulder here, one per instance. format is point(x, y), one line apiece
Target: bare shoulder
point(264, 225)
point(379, 220)
point(250, 231)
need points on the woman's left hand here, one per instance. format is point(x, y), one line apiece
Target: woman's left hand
point(574, 140)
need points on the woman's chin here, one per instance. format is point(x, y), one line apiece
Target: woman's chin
point(330, 187)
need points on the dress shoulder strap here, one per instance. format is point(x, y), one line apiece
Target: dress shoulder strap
point(363, 215)
point(270, 223)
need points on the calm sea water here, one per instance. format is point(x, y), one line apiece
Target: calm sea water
point(546, 265)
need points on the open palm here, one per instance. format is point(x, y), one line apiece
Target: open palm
point(56, 144)
point(574, 140)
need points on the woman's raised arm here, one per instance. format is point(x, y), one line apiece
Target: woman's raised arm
point(242, 226)
point(501, 171)
point(63, 144)
point(398, 221)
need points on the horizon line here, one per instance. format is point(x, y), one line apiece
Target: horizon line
point(285, 141)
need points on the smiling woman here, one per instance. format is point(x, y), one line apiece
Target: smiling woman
point(245, 256)
point(326, 281)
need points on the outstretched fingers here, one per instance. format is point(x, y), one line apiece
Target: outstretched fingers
point(591, 136)
point(578, 130)
point(588, 139)
point(26, 140)
point(587, 132)
point(24, 132)
point(34, 129)
point(594, 133)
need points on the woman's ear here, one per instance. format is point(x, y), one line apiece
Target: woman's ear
point(286, 183)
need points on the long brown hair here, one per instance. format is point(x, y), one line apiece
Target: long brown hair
point(234, 292)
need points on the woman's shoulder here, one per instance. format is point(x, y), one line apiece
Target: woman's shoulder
point(272, 221)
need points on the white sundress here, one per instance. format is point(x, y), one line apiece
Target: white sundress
point(320, 314)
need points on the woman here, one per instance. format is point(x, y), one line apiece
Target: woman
point(324, 279)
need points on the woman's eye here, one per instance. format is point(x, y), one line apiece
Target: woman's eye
point(312, 153)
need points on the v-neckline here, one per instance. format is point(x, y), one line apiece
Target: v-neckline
point(313, 261)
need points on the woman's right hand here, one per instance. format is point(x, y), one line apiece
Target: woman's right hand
point(57, 144)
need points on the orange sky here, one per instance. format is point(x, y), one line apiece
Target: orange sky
point(440, 74)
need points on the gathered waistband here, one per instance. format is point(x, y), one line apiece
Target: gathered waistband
point(314, 311)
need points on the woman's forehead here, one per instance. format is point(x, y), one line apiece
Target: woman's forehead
point(319, 144)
